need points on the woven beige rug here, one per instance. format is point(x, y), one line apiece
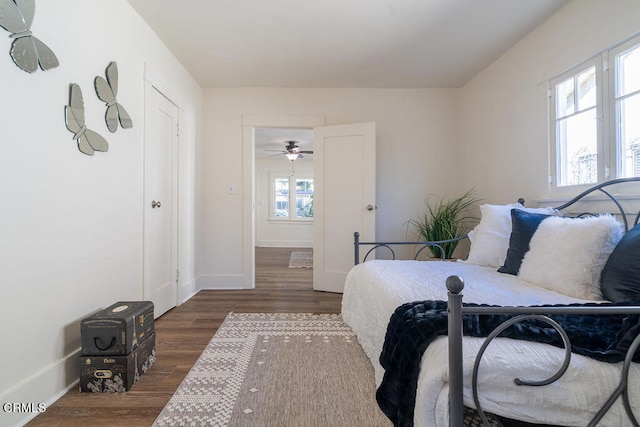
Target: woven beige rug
point(301, 259)
point(281, 370)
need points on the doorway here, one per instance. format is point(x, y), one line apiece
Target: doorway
point(251, 123)
point(344, 182)
point(284, 187)
point(283, 206)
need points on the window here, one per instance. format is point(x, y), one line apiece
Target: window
point(292, 205)
point(594, 134)
point(304, 198)
point(576, 128)
point(627, 108)
point(281, 197)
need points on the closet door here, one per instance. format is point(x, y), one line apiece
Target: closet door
point(160, 201)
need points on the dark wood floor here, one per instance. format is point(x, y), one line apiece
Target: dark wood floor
point(182, 335)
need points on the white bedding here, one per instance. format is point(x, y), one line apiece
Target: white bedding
point(374, 289)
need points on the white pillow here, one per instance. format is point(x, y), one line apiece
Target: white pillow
point(567, 255)
point(490, 238)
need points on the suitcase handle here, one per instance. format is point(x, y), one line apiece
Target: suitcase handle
point(95, 342)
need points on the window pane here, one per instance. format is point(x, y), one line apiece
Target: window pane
point(565, 99)
point(587, 89)
point(628, 72)
point(304, 198)
point(629, 136)
point(282, 197)
point(578, 148)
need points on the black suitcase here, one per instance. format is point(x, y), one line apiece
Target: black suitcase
point(118, 329)
point(106, 373)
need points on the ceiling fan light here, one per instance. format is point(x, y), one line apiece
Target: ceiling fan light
point(292, 156)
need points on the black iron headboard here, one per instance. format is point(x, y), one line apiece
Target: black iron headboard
point(604, 188)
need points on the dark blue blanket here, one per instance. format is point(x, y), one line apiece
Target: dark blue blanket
point(415, 325)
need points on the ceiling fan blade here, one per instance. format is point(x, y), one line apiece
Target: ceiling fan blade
point(305, 152)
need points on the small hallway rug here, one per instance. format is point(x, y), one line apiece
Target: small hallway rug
point(281, 370)
point(301, 259)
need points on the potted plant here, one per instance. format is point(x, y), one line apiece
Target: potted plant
point(445, 220)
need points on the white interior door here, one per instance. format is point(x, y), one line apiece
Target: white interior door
point(160, 201)
point(344, 161)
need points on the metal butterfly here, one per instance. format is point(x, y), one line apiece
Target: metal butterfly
point(88, 140)
point(107, 90)
point(27, 51)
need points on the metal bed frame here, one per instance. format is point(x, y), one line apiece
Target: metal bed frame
point(455, 286)
point(388, 245)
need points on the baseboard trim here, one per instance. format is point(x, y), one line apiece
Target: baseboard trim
point(42, 388)
point(284, 243)
point(187, 290)
point(220, 282)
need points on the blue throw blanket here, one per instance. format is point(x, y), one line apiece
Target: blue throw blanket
point(414, 325)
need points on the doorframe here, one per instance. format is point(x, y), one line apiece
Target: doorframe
point(153, 81)
point(249, 123)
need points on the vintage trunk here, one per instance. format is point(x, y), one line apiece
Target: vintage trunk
point(118, 329)
point(108, 373)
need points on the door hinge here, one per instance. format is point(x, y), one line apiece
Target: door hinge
point(177, 276)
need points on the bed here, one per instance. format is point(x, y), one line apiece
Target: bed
point(448, 381)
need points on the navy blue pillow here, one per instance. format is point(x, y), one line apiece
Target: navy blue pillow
point(620, 278)
point(523, 225)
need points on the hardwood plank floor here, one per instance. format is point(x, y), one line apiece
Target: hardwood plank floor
point(181, 336)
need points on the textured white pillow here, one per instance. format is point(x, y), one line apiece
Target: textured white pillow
point(567, 255)
point(490, 238)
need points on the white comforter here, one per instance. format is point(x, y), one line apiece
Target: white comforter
point(374, 289)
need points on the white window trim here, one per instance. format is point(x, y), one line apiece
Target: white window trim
point(555, 155)
point(291, 219)
point(616, 148)
point(608, 147)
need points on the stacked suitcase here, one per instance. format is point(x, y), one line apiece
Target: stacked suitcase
point(118, 346)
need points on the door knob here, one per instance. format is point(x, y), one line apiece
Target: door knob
point(155, 204)
point(369, 207)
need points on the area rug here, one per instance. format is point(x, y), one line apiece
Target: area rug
point(301, 259)
point(278, 370)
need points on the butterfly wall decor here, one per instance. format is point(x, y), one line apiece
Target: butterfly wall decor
point(107, 90)
point(27, 51)
point(88, 140)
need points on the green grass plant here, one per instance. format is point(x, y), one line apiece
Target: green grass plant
point(445, 220)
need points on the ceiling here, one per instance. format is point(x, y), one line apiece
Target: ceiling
point(340, 43)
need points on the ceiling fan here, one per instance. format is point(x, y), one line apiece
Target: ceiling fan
point(292, 151)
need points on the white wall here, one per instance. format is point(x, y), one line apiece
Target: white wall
point(417, 141)
point(72, 224)
point(270, 233)
point(504, 108)
point(72, 236)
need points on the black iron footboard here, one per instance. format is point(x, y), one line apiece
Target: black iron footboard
point(456, 310)
point(455, 286)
